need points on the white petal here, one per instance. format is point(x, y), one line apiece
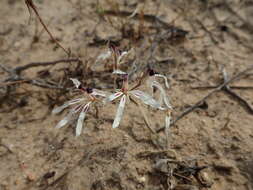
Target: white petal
point(81, 117)
point(165, 79)
point(112, 97)
point(104, 56)
point(135, 12)
point(60, 108)
point(122, 55)
point(146, 98)
point(77, 108)
point(163, 95)
point(167, 123)
point(76, 82)
point(96, 92)
point(120, 111)
point(119, 72)
point(64, 121)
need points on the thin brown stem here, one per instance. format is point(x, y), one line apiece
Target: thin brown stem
point(30, 6)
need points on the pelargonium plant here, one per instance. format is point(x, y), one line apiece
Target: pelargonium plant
point(127, 93)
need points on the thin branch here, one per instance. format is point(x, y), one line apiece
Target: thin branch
point(232, 87)
point(43, 84)
point(15, 78)
point(19, 69)
point(234, 95)
point(207, 31)
point(4, 68)
point(147, 17)
point(39, 83)
point(30, 6)
point(220, 87)
point(243, 102)
point(12, 83)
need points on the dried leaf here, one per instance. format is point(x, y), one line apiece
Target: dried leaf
point(120, 111)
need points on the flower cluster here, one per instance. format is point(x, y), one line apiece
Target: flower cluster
point(126, 94)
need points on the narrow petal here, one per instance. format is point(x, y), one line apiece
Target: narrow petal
point(135, 12)
point(120, 111)
point(76, 82)
point(81, 118)
point(167, 123)
point(60, 108)
point(119, 72)
point(146, 98)
point(112, 97)
point(96, 92)
point(167, 126)
point(64, 121)
point(104, 56)
point(163, 95)
point(165, 79)
point(124, 53)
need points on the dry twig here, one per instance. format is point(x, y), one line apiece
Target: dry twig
point(200, 102)
point(16, 78)
point(147, 17)
point(30, 5)
point(232, 87)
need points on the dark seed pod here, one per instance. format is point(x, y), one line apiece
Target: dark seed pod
point(151, 72)
point(89, 90)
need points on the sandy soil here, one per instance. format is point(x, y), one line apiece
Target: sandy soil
point(218, 134)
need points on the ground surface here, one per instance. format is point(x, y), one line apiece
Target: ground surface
point(219, 134)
